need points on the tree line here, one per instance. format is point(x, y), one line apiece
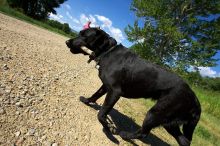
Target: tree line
point(176, 33)
point(40, 10)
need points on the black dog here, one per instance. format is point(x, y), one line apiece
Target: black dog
point(123, 73)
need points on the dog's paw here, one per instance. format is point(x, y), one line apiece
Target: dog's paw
point(84, 100)
point(113, 130)
point(183, 141)
point(124, 135)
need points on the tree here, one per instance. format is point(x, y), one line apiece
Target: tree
point(176, 33)
point(66, 28)
point(37, 9)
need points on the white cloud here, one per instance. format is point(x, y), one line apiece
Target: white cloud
point(68, 6)
point(76, 27)
point(83, 19)
point(93, 20)
point(76, 21)
point(56, 17)
point(107, 24)
point(68, 14)
point(117, 34)
point(71, 17)
point(106, 21)
point(207, 71)
point(97, 20)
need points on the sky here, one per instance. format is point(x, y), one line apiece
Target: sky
point(112, 16)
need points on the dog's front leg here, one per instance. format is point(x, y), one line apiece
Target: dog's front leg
point(95, 96)
point(110, 100)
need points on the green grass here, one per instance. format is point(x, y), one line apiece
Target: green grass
point(207, 131)
point(210, 101)
point(16, 14)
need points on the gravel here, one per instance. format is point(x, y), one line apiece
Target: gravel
point(40, 82)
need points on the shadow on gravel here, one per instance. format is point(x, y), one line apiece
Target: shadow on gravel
point(124, 123)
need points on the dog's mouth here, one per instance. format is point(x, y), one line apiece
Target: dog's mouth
point(82, 49)
point(86, 50)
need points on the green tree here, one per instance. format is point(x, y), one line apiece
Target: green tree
point(66, 28)
point(176, 33)
point(37, 9)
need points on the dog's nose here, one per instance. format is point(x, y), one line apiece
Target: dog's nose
point(67, 42)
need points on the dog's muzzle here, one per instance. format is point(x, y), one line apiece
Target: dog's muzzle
point(68, 43)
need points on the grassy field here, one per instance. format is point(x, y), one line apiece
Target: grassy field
point(5, 9)
point(207, 132)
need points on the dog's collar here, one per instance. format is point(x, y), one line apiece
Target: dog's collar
point(98, 58)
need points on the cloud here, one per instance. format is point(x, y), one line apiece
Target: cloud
point(71, 17)
point(68, 14)
point(107, 24)
point(117, 34)
point(56, 17)
point(97, 20)
point(76, 21)
point(93, 20)
point(68, 6)
point(83, 19)
point(106, 21)
point(207, 71)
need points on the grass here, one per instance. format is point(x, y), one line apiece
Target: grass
point(208, 128)
point(210, 101)
point(5, 9)
point(207, 131)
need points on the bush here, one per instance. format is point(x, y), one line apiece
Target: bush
point(194, 78)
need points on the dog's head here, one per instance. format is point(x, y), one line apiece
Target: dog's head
point(94, 39)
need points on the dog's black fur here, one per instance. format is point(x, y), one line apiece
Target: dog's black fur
point(123, 73)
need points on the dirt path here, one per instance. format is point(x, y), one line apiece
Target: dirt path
point(40, 82)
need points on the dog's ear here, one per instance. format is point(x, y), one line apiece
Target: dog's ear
point(107, 43)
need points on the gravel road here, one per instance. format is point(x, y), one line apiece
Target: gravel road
point(40, 85)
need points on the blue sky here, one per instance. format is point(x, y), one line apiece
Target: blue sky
point(112, 16)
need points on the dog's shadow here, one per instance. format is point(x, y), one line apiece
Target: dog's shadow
point(124, 123)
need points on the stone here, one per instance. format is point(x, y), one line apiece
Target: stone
point(5, 67)
point(18, 104)
point(17, 113)
point(54, 144)
point(31, 131)
point(20, 141)
point(2, 111)
point(18, 133)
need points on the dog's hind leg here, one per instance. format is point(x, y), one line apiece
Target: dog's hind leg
point(101, 91)
point(110, 100)
point(152, 120)
point(174, 130)
point(189, 127)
